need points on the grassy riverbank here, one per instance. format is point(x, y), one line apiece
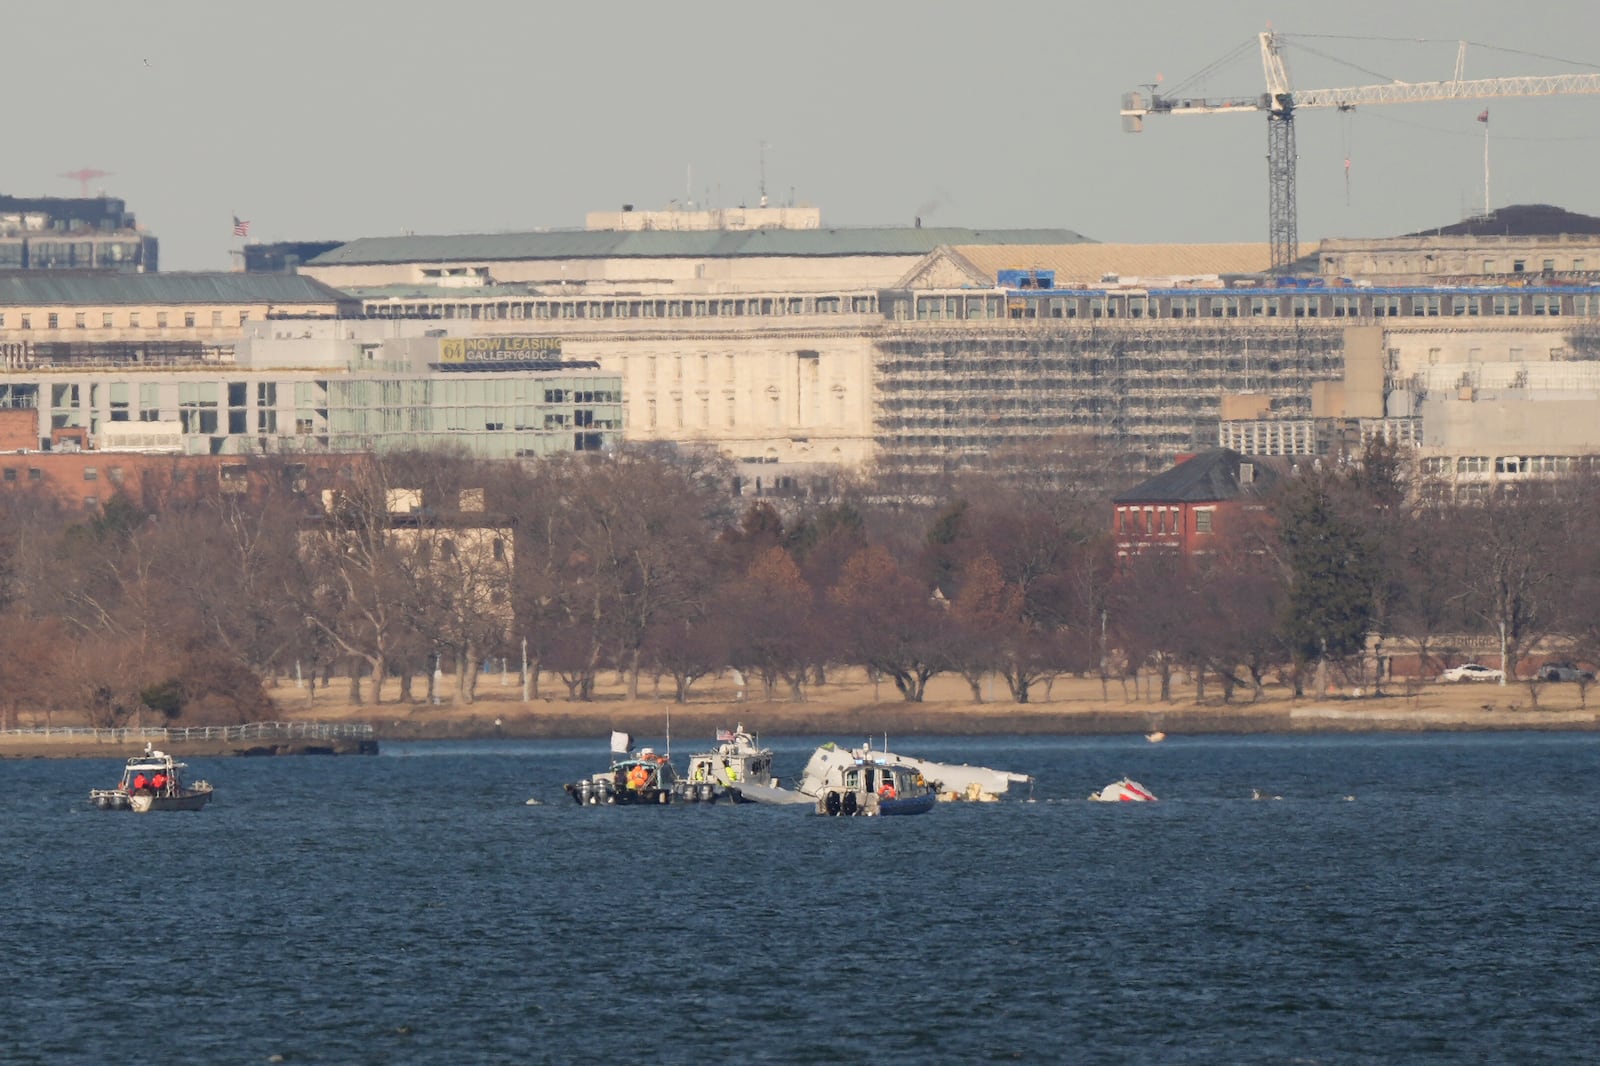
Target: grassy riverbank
point(850, 706)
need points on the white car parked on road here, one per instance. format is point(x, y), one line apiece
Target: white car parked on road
point(1472, 672)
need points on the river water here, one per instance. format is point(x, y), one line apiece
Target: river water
point(1418, 898)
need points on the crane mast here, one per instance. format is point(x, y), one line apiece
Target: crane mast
point(1281, 101)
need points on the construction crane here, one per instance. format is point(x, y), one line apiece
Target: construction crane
point(1280, 102)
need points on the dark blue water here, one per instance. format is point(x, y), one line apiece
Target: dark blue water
point(1410, 899)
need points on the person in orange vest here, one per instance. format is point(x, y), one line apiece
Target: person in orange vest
point(887, 791)
point(139, 782)
point(158, 782)
point(639, 776)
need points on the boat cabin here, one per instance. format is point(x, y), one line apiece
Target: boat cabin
point(886, 780)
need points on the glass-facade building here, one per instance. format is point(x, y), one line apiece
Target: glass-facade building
point(519, 413)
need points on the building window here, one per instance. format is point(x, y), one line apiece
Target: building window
point(188, 319)
point(133, 320)
point(52, 321)
point(35, 474)
point(27, 321)
point(90, 474)
point(216, 320)
point(11, 473)
point(81, 320)
point(1510, 464)
point(1202, 521)
point(105, 320)
point(161, 320)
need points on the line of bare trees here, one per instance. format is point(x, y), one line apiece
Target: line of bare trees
point(642, 562)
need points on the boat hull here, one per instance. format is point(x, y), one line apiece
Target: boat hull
point(846, 803)
point(142, 803)
point(910, 805)
point(629, 797)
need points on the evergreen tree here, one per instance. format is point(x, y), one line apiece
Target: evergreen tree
point(1331, 570)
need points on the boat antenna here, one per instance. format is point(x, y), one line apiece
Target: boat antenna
point(669, 731)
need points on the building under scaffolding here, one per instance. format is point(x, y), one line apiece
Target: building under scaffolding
point(950, 393)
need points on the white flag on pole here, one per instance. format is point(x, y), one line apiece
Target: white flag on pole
point(621, 743)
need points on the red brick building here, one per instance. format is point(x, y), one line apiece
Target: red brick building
point(1186, 507)
point(86, 480)
point(19, 428)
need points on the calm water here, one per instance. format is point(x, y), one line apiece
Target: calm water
point(412, 908)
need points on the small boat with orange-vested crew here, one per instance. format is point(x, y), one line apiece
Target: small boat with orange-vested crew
point(153, 781)
point(645, 779)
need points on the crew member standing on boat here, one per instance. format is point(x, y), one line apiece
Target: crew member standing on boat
point(159, 781)
point(139, 782)
point(639, 776)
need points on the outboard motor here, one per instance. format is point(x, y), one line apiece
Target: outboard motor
point(586, 791)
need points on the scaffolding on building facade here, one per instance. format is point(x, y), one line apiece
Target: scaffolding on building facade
point(950, 394)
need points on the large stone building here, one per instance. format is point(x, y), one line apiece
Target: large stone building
point(821, 347)
point(798, 349)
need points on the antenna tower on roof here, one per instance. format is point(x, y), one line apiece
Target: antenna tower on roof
point(763, 173)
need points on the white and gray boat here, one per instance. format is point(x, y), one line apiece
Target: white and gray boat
point(737, 763)
point(953, 781)
point(153, 781)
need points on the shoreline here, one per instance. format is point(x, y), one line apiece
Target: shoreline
point(558, 720)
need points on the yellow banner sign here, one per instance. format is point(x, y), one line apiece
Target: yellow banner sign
point(498, 349)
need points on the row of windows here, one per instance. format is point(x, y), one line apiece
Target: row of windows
point(1444, 465)
point(1428, 264)
point(1305, 305)
point(491, 310)
point(488, 390)
point(108, 319)
point(1352, 305)
point(1160, 520)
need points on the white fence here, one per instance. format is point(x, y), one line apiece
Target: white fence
point(248, 731)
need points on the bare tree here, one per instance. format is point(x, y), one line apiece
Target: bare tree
point(1511, 579)
point(891, 623)
point(775, 630)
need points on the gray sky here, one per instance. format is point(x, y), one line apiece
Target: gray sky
point(350, 118)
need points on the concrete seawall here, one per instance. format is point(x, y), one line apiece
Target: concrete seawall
point(48, 747)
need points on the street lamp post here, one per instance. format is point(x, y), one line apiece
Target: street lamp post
point(1502, 653)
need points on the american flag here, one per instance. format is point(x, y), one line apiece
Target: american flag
point(241, 227)
point(724, 735)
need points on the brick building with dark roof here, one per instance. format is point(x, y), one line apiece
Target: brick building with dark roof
point(1185, 507)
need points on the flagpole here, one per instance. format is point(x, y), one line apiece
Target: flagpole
point(1486, 163)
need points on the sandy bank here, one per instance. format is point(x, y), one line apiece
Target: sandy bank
point(850, 708)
